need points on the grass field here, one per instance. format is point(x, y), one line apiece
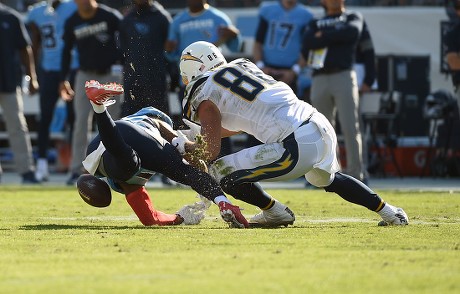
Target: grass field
point(52, 242)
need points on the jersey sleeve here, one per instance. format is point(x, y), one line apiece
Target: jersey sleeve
point(22, 36)
point(195, 93)
point(31, 16)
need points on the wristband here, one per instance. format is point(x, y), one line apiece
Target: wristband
point(260, 64)
point(296, 68)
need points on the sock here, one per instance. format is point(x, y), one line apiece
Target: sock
point(221, 198)
point(98, 108)
point(141, 204)
point(251, 193)
point(387, 211)
point(270, 205)
point(355, 191)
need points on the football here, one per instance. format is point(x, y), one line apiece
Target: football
point(94, 191)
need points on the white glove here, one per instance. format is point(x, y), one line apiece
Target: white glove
point(194, 130)
point(194, 213)
point(179, 142)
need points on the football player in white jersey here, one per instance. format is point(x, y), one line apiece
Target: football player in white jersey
point(229, 98)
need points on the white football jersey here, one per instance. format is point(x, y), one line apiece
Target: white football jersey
point(248, 100)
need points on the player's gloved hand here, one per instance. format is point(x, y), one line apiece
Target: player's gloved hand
point(179, 142)
point(193, 131)
point(192, 214)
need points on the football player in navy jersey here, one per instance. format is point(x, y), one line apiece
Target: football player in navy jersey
point(129, 151)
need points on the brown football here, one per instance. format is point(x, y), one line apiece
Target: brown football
point(94, 191)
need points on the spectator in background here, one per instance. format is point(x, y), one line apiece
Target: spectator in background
point(46, 21)
point(278, 39)
point(92, 29)
point(452, 42)
point(15, 45)
point(201, 22)
point(365, 72)
point(330, 46)
point(278, 42)
point(143, 33)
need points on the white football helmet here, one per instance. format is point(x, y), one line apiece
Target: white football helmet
point(198, 58)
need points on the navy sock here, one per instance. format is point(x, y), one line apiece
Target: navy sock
point(251, 193)
point(355, 191)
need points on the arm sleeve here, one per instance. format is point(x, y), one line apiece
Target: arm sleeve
point(69, 40)
point(261, 30)
point(366, 54)
point(308, 39)
point(22, 39)
point(369, 65)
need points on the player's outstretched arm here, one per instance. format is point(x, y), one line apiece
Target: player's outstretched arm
point(211, 127)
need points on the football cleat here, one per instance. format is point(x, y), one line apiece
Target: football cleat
point(101, 93)
point(232, 215)
point(397, 218)
point(277, 215)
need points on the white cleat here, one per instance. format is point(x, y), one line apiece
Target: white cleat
point(396, 218)
point(278, 215)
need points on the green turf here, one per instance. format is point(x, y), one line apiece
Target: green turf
point(52, 242)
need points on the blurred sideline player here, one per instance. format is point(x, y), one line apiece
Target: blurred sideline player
point(129, 151)
point(229, 98)
point(278, 41)
point(46, 21)
point(201, 22)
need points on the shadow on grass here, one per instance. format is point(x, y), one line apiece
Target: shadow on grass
point(58, 227)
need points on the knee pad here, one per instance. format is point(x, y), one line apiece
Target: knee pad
point(319, 178)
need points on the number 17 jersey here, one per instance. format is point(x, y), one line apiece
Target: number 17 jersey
point(248, 100)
